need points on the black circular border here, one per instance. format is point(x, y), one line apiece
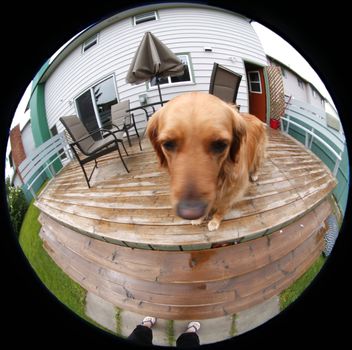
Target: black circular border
point(31, 32)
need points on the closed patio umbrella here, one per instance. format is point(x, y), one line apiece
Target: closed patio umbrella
point(153, 59)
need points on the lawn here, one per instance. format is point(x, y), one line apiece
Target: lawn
point(61, 286)
point(294, 291)
point(67, 291)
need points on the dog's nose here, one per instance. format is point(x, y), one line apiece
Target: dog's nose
point(191, 209)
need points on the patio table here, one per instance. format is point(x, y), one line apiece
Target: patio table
point(144, 107)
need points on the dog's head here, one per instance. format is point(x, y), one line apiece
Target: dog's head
point(195, 136)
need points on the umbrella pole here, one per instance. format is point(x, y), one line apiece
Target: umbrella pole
point(157, 81)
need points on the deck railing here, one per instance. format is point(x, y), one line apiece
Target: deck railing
point(42, 160)
point(309, 140)
point(312, 122)
point(309, 125)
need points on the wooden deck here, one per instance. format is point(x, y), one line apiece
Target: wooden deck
point(134, 209)
point(273, 235)
point(189, 285)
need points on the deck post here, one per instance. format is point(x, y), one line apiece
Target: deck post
point(33, 193)
point(288, 124)
point(337, 165)
point(311, 140)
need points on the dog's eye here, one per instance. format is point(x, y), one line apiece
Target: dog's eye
point(169, 145)
point(218, 146)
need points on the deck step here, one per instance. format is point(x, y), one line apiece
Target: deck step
point(121, 241)
point(186, 285)
point(141, 264)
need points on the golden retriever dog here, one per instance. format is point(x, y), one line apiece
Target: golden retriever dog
point(211, 152)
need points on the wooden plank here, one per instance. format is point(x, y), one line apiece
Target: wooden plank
point(183, 234)
point(132, 212)
point(199, 304)
point(143, 290)
point(193, 266)
point(275, 289)
point(134, 209)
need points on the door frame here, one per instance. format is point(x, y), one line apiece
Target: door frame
point(90, 88)
point(255, 66)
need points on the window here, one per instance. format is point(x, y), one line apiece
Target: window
point(94, 105)
point(314, 93)
point(185, 78)
point(90, 43)
point(254, 82)
point(105, 96)
point(145, 17)
point(11, 160)
point(300, 83)
point(54, 132)
point(283, 71)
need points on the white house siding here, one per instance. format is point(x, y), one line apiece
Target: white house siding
point(304, 94)
point(292, 88)
point(183, 30)
point(27, 139)
point(316, 99)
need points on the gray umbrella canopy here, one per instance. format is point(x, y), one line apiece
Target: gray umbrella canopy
point(153, 59)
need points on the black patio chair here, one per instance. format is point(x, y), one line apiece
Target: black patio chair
point(90, 148)
point(122, 120)
point(224, 83)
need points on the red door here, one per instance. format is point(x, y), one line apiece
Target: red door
point(257, 96)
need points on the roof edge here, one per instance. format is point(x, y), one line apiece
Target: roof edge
point(110, 19)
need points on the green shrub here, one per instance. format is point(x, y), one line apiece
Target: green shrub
point(17, 204)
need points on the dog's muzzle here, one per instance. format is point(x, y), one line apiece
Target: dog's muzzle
point(191, 209)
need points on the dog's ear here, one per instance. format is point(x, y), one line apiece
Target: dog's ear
point(239, 133)
point(153, 133)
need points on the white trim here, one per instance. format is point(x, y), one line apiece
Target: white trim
point(148, 17)
point(90, 88)
point(90, 40)
point(179, 83)
point(95, 107)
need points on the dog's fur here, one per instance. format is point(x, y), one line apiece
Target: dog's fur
point(211, 152)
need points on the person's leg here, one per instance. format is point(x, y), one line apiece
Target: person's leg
point(189, 338)
point(143, 334)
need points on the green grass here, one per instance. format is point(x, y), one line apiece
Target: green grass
point(66, 290)
point(289, 295)
point(233, 329)
point(170, 332)
point(118, 320)
point(60, 285)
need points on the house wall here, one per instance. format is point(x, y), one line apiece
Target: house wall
point(22, 144)
point(316, 99)
point(302, 93)
point(18, 152)
point(183, 30)
point(27, 139)
point(292, 88)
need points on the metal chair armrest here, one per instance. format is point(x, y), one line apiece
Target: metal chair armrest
point(85, 137)
point(92, 133)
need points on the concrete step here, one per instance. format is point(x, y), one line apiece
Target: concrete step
point(165, 332)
